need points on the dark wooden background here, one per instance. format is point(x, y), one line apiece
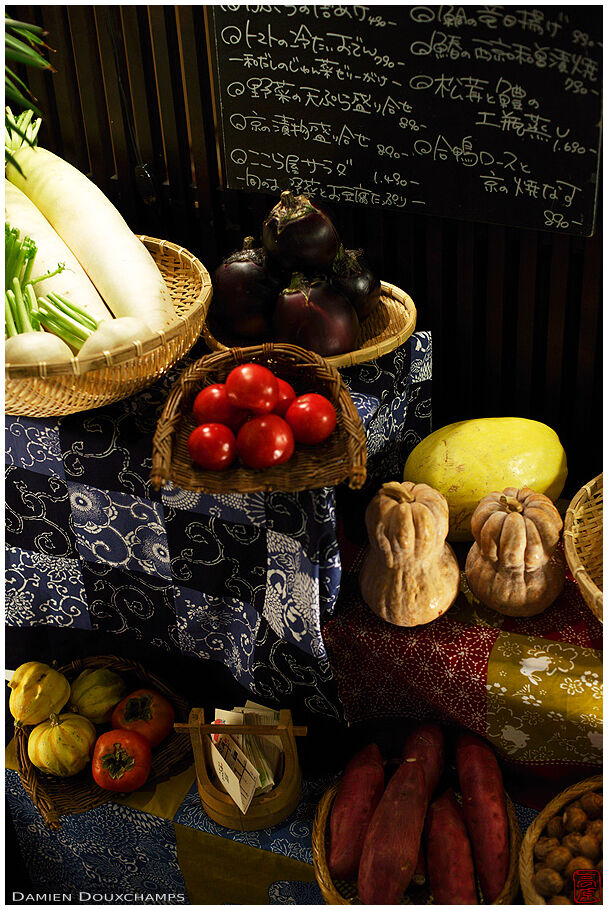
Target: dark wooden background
point(515, 314)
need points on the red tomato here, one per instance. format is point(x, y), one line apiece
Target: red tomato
point(286, 396)
point(146, 712)
point(253, 387)
point(121, 760)
point(212, 446)
point(312, 418)
point(265, 441)
point(211, 405)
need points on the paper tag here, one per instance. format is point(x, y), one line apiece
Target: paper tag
point(228, 717)
point(234, 770)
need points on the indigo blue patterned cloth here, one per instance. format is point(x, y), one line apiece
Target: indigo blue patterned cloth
point(245, 581)
point(116, 850)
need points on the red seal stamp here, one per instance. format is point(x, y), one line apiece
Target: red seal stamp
point(587, 886)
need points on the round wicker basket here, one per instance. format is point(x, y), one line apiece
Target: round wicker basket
point(56, 796)
point(584, 542)
point(526, 854)
point(53, 390)
point(343, 455)
point(385, 330)
point(345, 892)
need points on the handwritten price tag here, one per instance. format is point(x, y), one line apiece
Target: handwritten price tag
point(234, 770)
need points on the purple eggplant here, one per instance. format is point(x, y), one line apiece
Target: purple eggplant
point(244, 294)
point(314, 315)
point(352, 276)
point(299, 235)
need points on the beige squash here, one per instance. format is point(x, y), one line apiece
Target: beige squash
point(515, 566)
point(410, 575)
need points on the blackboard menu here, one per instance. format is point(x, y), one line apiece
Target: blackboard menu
point(475, 112)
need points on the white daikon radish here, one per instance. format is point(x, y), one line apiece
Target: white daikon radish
point(72, 282)
point(114, 334)
point(117, 263)
point(36, 347)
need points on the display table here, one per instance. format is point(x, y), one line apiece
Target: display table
point(163, 844)
point(532, 687)
point(242, 582)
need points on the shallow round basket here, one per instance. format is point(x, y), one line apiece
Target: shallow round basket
point(584, 541)
point(341, 457)
point(57, 796)
point(392, 323)
point(53, 390)
point(526, 854)
point(345, 892)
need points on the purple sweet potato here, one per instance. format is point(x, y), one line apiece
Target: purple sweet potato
point(419, 876)
point(450, 861)
point(392, 843)
point(425, 743)
point(485, 812)
point(358, 794)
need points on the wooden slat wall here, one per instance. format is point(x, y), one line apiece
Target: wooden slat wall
point(515, 314)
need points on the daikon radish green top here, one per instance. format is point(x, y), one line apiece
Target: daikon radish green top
point(72, 282)
point(117, 263)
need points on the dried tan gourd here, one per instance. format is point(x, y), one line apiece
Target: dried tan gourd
point(410, 575)
point(515, 566)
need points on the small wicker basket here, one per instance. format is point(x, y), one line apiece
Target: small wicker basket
point(54, 390)
point(526, 854)
point(56, 796)
point(341, 456)
point(345, 892)
point(385, 330)
point(584, 543)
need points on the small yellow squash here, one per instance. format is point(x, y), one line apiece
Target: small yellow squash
point(37, 692)
point(95, 693)
point(62, 745)
point(467, 460)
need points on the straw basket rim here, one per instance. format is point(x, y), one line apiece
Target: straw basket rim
point(329, 890)
point(342, 456)
point(526, 853)
point(585, 509)
point(54, 796)
point(402, 316)
point(133, 350)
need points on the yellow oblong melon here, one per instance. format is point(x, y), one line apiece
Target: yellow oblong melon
point(467, 460)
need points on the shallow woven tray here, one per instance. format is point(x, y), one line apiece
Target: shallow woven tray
point(342, 456)
point(385, 330)
point(56, 796)
point(526, 854)
point(584, 542)
point(345, 892)
point(53, 390)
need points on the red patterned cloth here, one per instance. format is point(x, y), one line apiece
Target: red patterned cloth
point(456, 669)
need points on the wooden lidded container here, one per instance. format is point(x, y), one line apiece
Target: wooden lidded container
point(265, 810)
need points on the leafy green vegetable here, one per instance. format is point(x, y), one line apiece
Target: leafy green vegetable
point(22, 45)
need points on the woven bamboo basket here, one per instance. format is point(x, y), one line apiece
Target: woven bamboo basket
point(584, 542)
point(343, 455)
point(54, 390)
point(267, 809)
point(55, 796)
point(526, 854)
point(345, 892)
point(385, 330)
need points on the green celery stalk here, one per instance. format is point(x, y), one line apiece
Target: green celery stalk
point(72, 309)
point(11, 328)
point(48, 308)
point(32, 302)
point(24, 320)
point(60, 330)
